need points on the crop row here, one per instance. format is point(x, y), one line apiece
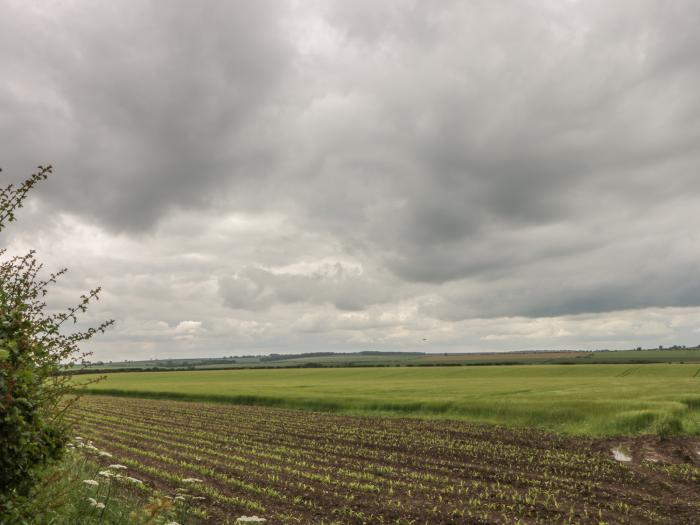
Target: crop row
point(305, 467)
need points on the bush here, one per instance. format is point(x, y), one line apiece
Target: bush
point(33, 353)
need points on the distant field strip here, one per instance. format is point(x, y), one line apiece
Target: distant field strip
point(324, 468)
point(580, 399)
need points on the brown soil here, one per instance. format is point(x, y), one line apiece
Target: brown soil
point(305, 467)
point(676, 450)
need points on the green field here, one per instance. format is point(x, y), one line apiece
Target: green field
point(584, 399)
point(370, 358)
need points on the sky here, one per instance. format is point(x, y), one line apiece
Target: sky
point(286, 176)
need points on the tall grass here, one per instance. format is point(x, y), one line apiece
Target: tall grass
point(64, 498)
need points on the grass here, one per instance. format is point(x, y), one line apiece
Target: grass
point(579, 400)
point(63, 498)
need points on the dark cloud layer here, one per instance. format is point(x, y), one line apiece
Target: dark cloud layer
point(143, 107)
point(476, 160)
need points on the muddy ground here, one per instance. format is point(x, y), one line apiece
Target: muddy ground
point(303, 467)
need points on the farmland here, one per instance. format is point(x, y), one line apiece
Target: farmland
point(327, 468)
point(372, 358)
point(410, 445)
point(578, 400)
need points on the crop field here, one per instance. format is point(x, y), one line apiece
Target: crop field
point(370, 358)
point(686, 355)
point(324, 468)
point(573, 399)
point(509, 357)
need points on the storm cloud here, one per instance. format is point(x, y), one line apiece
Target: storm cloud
point(352, 175)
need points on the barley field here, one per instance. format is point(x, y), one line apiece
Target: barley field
point(595, 400)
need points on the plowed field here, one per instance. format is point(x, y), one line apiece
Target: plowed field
point(304, 467)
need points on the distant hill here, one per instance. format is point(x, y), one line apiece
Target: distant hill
point(384, 358)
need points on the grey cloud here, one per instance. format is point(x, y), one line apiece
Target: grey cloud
point(142, 107)
point(633, 269)
point(565, 119)
point(344, 288)
point(477, 160)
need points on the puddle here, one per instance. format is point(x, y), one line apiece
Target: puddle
point(620, 455)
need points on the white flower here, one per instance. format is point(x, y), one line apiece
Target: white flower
point(91, 482)
point(179, 498)
point(94, 503)
point(78, 438)
point(250, 519)
point(105, 473)
point(116, 466)
point(191, 480)
point(134, 480)
point(105, 454)
point(172, 523)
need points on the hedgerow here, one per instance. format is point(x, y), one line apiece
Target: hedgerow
point(35, 348)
